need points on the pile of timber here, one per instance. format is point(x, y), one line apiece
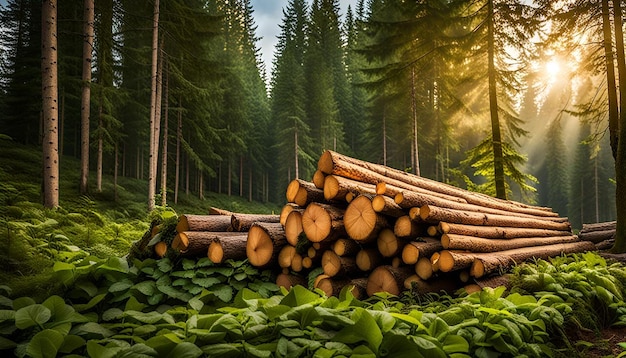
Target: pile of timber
point(375, 229)
point(601, 234)
point(370, 225)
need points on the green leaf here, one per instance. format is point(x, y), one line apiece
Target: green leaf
point(6, 344)
point(7, 315)
point(205, 282)
point(45, 344)
point(112, 314)
point(365, 329)
point(185, 350)
point(22, 302)
point(362, 352)
point(261, 351)
point(147, 288)
point(395, 345)
point(223, 292)
point(150, 317)
point(92, 302)
point(165, 265)
point(189, 264)
point(224, 350)
point(133, 305)
point(92, 329)
point(33, 315)
point(71, 343)
point(455, 344)
point(298, 296)
point(120, 286)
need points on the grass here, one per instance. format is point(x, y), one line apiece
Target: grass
point(33, 238)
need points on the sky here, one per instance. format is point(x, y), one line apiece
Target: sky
point(268, 14)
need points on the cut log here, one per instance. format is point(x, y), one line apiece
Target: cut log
point(433, 231)
point(414, 214)
point(346, 247)
point(264, 242)
point(407, 229)
point(302, 192)
point(334, 163)
point(388, 243)
point(293, 226)
point(605, 245)
point(243, 222)
point(318, 278)
point(288, 281)
point(388, 279)
point(450, 260)
point(215, 223)
point(217, 211)
point(597, 236)
point(472, 288)
point(285, 256)
point(334, 265)
point(464, 276)
point(361, 222)
point(391, 190)
point(424, 247)
point(196, 243)
point(494, 232)
point(423, 268)
point(307, 262)
point(434, 214)
point(603, 226)
point(288, 208)
point(318, 179)
point(360, 288)
point(501, 261)
point(228, 248)
point(477, 244)
point(296, 263)
point(160, 249)
point(396, 261)
point(323, 222)
point(368, 259)
point(332, 286)
point(434, 260)
point(385, 205)
point(336, 187)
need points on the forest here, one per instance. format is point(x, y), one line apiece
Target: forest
point(148, 112)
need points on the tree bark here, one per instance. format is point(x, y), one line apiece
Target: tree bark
point(228, 248)
point(217, 211)
point(322, 222)
point(388, 279)
point(494, 232)
point(337, 187)
point(196, 243)
point(243, 222)
point(215, 223)
point(478, 244)
point(385, 205)
point(425, 247)
point(153, 107)
point(361, 222)
point(88, 34)
point(620, 161)
point(610, 78)
point(405, 228)
point(334, 265)
point(346, 247)
point(264, 242)
point(303, 192)
point(597, 236)
point(179, 135)
point(165, 137)
point(433, 214)
point(50, 95)
point(288, 281)
point(500, 261)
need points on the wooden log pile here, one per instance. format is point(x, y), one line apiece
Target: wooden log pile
point(375, 229)
point(601, 234)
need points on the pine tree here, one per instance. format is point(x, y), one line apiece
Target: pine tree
point(50, 106)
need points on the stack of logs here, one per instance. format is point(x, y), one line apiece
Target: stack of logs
point(601, 234)
point(376, 229)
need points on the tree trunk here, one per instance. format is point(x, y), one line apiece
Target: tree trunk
point(433, 214)
point(415, 152)
point(286, 210)
point(116, 163)
point(323, 222)
point(450, 260)
point(215, 223)
point(264, 242)
point(302, 192)
point(414, 250)
point(503, 260)
point(243, 222)
point(388, 243)
point(494, 232)
point(620, 161)
point(337, 187)
point(406, 229)
point(49, 85)
point(420, 287)
point(334, 163)
point(293, 226)
point(160, 249)
point(368, 259)
point(478, 244)
point(165, 138)
point(285, 256)
point(496, 137)
point(88, 34)
point(228, 248)
point(361, 222)
point(334, 265)
point(179, 135)
point(217, 211)
point(346, 247)
point(196, 243)
point(100, 152)
point(288, 281)
point(597, 236)
point(153, 108)
point(609, 225)
point(388, 279)
point(385, 205)
point(318, 179)
point(424, 268)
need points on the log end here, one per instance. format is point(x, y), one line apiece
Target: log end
point(318, 179)
point(382, 280)
point(285, 256)
point(423, 268)
point(160, 249)
point(292, 190)
point(183, 224)
point(325, 163)
point(316, 223)
point(293, 227)
point(410, 254)
point(288, 281)
point(331, 263)
point(360, 219)
point(331, 187)
point(387, 243)
point(216, 252)
point(445, 261)
point(259, 247)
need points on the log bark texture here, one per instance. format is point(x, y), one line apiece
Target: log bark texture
point(215, 223)
point(424, 247)
point(388, 279)
point(243, 222)
point(228, 248)
point(495, 232)
point(478, 244)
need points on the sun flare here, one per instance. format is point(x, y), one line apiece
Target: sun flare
point(553, 67)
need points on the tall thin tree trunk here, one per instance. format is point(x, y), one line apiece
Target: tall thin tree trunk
point(100, 147)
point(610, 77)
point(165, 139)
point(187, 174)
point(88, 35)
point(201, 185)
point(250, 184)
point(115, 169)
point(620, 161)
point(154, 151)
point(179, 134)
point(295, 150)
point(50, 106)
point(498, 156)
point(230, 170)
point(415, 158)
point(241, 176)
